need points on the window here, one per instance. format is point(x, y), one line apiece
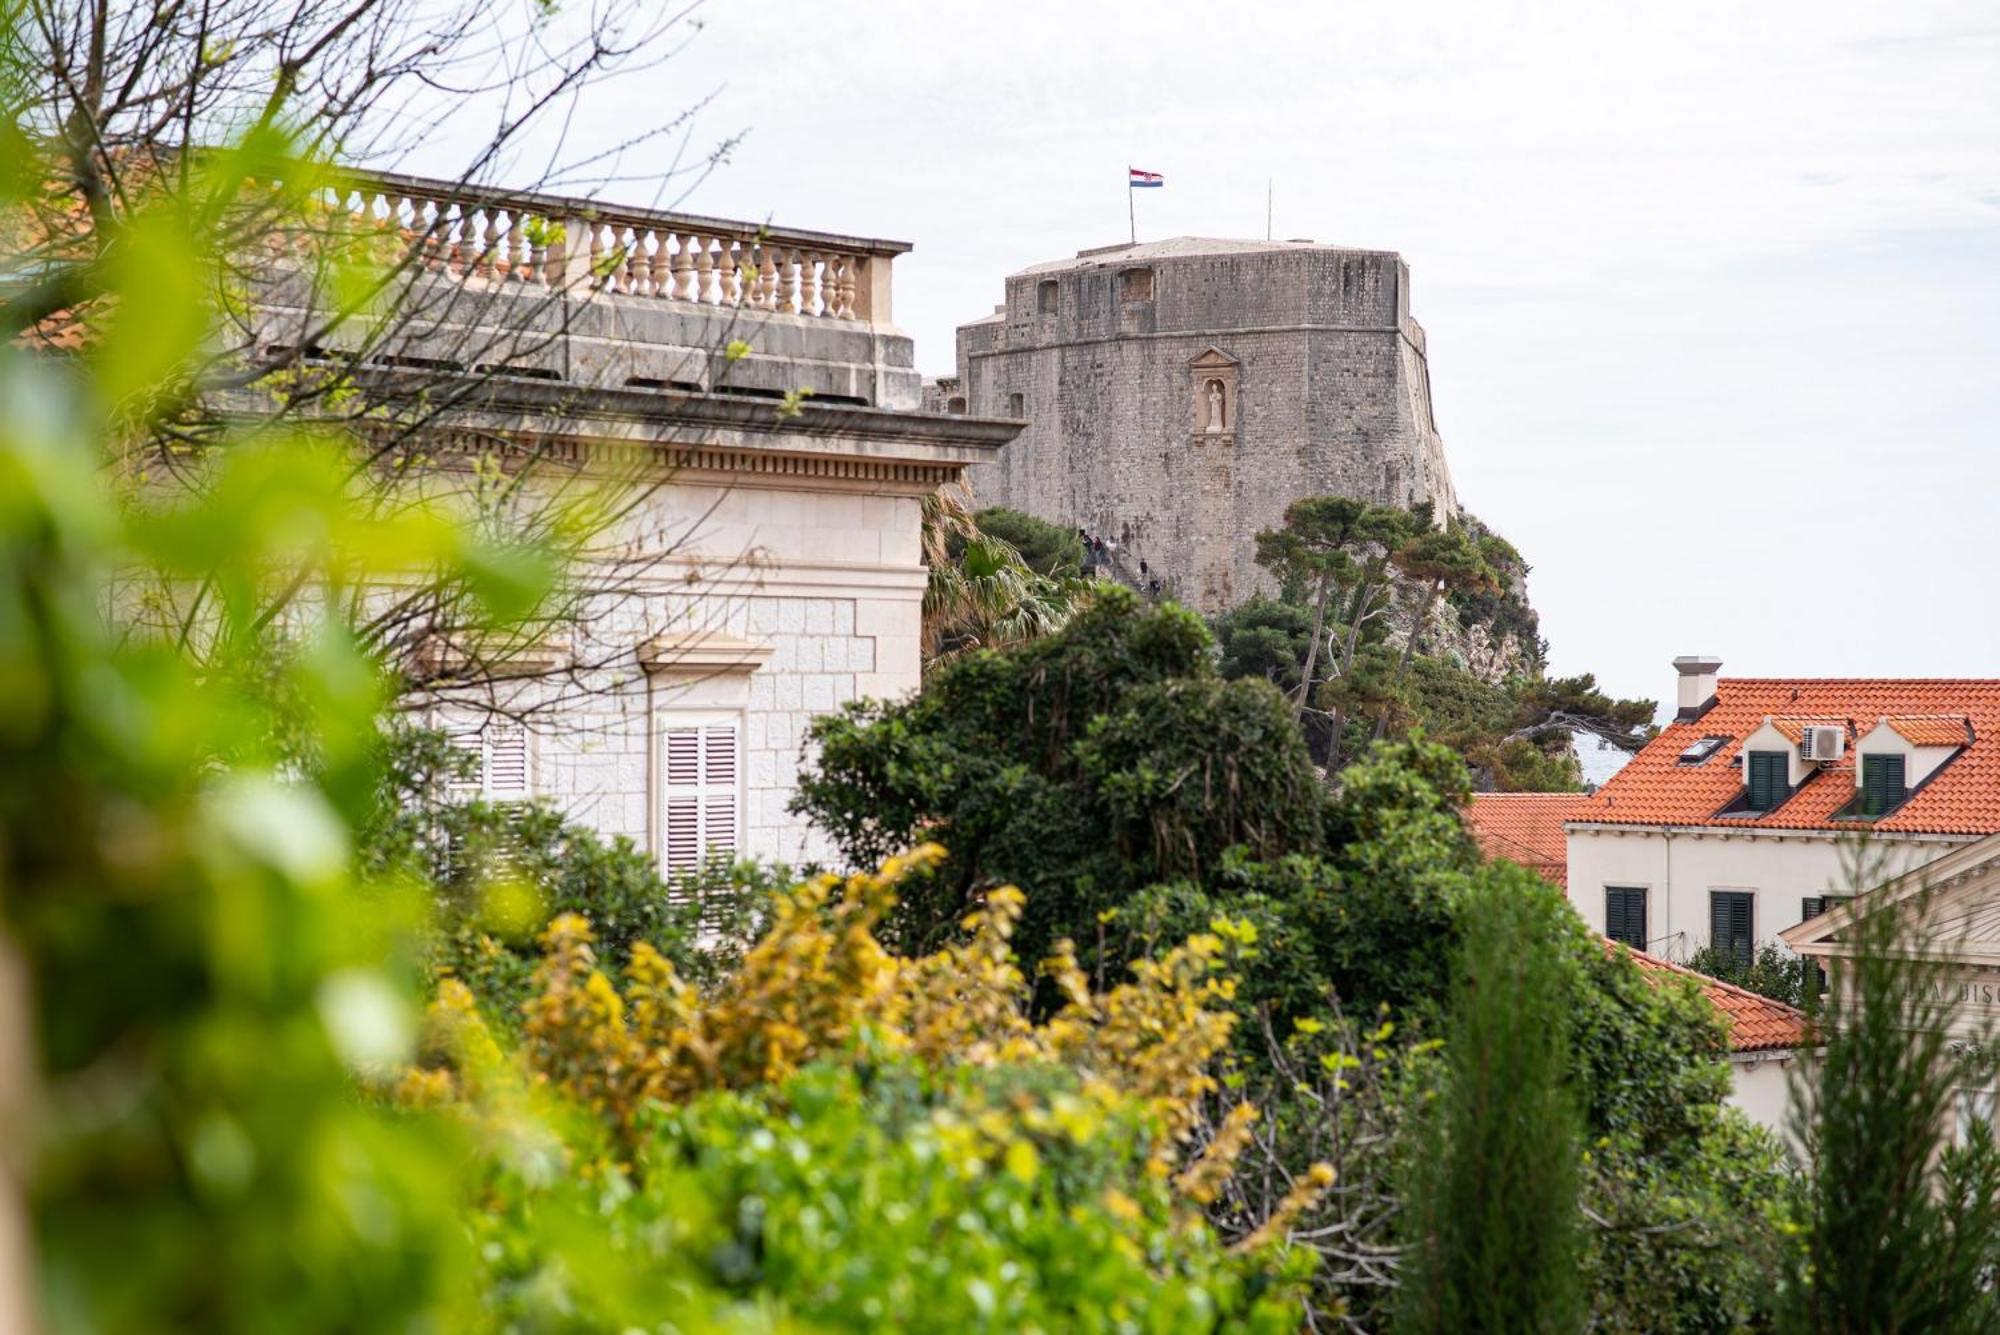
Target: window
point(1730, 924)
point(1625, 915)
point(1881, 784)
point(1701, 749)
point(1017, 405)
point(1045, 297)
point(1769, 779)
point(1135, 285)
point(700, 796)
point(501, 774)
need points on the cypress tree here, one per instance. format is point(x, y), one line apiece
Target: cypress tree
point(1493, 1242)
point(1900, 1227)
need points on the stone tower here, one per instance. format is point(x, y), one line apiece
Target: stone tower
point(1179, 394)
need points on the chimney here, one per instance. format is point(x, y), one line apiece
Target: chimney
point(1697, 684)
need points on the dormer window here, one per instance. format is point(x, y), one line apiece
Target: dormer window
point(1767, 780)
point(1882, 784)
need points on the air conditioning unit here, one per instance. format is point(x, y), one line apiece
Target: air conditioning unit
point(1822, 744)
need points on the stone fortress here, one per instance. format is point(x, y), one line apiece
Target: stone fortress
point(1179, 394)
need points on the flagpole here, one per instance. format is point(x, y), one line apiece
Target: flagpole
point(1131, 212)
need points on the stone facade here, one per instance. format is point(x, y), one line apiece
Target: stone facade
point(1179, 394)
point(766, 567)
point(774, 575)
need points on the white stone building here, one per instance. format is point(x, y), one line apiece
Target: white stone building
point(739, 395)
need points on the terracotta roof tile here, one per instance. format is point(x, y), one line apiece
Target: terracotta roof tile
point(1931, 729)
point(1756, 1023)
point(1526, 828)
point(1962, 797)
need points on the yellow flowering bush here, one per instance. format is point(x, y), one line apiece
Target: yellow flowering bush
point(968, 1166)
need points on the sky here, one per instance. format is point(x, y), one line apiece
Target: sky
point(1712, 290)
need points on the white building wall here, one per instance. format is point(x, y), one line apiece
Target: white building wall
point(829, 583)
point(1678, 868)
point(1760, 1085)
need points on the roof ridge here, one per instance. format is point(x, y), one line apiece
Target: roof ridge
point(1849, 681)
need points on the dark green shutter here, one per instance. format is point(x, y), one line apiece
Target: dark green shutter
point(1729, 925)
point(1881, 783)
point(1768, 771)
point(1811, 907)
point(1625, 915)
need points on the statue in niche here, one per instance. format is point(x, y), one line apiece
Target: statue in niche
point(1215, 407)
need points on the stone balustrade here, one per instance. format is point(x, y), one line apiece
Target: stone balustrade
point(580, 247)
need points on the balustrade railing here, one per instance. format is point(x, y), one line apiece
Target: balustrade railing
point(578, 246)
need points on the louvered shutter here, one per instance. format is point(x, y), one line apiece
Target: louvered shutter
point(501, 772)
point(472, 786)
point(1811, 907)
point(1881, 783)
point(702, 773)
point(719, 801)
point(1729, 925)
point(1768, 772)
point(506, 763)
point(1625, 915)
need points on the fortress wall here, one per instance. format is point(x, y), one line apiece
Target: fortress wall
point(1330, 394)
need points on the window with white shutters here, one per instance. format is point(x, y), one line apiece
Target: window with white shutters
point(701, 793)
point(501, 774)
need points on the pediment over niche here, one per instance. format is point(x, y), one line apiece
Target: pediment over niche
point(1213, 359)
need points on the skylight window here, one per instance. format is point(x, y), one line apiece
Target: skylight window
point(1702, 750)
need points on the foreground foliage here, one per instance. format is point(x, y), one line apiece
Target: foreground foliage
point(1492, 1177)
point(841, 1134)
point(1897, 1236)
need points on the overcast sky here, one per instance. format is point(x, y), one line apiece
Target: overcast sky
point(1710, 287)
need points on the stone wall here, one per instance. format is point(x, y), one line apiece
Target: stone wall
point(817, 594)
point(1109, 358)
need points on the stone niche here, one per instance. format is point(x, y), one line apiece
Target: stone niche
point(1212, 385)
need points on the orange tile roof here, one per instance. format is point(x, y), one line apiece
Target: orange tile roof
point(1526, 828)
point(1931, 729)
point(1962, 797)
point(1756, 1023)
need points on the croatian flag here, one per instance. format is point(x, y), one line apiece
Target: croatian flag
point(1140, 178)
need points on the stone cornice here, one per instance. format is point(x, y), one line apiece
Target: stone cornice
point(709, 433)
